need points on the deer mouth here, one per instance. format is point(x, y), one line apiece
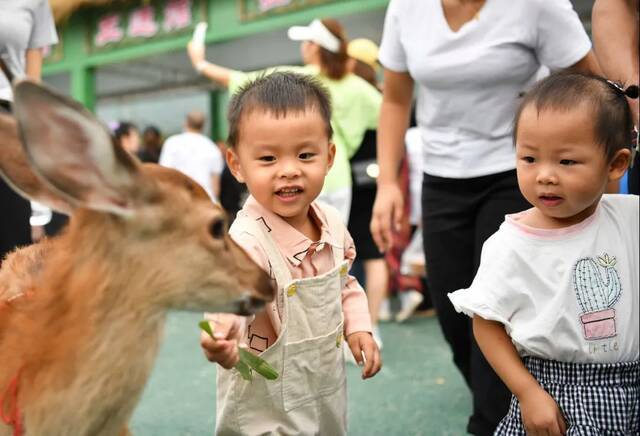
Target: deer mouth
point(245, 306)
point(249, 306)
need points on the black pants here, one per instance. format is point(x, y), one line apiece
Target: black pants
point(458, 215)
point(15, 211)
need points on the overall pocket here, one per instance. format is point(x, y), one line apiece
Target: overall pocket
point(315, 307)
point(313, 368)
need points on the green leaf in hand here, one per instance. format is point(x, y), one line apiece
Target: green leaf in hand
point(247, 360)
point(204, 325)
point(258, 364)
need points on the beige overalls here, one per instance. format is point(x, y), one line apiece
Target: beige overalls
point(310, 396)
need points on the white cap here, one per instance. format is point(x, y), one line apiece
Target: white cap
point(315, 32)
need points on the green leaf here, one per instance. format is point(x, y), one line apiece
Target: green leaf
point(244, 370)
point(247, 360)
point(258, 364)
point(204, 325)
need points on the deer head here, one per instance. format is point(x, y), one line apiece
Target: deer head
point(151, 224)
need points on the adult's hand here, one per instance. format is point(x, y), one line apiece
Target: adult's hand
point(196, 53)
point(387, 215)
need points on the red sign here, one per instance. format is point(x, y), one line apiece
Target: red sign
point(108, 30)
point(177, 14)
point(142, 22)
point(265, 5)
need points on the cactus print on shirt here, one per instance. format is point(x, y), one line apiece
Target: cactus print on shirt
point(596, 295)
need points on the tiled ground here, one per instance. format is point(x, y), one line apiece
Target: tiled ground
point(418, 391)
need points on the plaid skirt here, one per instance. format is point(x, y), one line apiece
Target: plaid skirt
point(595, 398)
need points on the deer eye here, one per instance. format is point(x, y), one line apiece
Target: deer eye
point(217, 228)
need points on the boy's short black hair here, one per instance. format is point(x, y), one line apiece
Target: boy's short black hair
point(278, 93)
point(565, 91)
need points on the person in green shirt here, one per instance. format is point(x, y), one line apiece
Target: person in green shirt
point(355, 103)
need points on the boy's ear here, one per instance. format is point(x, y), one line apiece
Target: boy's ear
point(619, 164)
point(234, 164)
point(332, 156)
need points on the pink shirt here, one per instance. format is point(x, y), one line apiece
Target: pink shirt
point(305, 258)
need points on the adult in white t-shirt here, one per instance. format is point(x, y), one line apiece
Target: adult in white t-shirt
point(195, 155)
point(470, 61)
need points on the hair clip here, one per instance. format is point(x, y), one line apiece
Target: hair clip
point(631, 91)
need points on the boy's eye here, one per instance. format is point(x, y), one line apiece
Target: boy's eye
point(306, 156)
point(267, 158)
point(568, 162)
point(528, 159)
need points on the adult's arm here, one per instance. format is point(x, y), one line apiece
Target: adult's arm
point(615, 36)
point(394, 120)
point(588, 64)
point(219, 74)
point(33, 64)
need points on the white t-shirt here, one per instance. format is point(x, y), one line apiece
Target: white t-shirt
point(569, 295)
point(469, 81)
point(24, 24)
point(194, 155)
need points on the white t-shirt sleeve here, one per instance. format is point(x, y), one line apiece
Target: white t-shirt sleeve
point(216, 164)
point(392, 53)
point(561, 39)
point(43, 32)
point(489, 296)
point(166, 155)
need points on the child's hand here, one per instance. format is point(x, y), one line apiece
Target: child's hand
point(224, 348)
point(362, 342)
point(541, 414)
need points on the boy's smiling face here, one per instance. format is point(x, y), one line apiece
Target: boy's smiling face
point(283, 160)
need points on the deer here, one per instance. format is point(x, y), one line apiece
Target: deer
point(81, 314)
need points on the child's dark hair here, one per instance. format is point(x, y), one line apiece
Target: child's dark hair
point(566, 91)
point(278, 93)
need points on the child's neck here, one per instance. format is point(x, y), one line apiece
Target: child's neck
point(306, 224)
point(535, 218)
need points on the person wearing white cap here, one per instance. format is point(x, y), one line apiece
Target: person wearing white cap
point(355, 103)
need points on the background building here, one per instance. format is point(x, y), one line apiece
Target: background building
point(126, 60)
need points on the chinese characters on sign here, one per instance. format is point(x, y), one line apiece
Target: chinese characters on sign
point(177, 15)
point(256, 9)
point(144, 22)
point(109, 30)
point(265, 5)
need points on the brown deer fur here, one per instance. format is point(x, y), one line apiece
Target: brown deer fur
point(81, 314)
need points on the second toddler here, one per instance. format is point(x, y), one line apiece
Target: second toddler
point(558, 283)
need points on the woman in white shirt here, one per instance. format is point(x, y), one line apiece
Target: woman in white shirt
point(470, 60)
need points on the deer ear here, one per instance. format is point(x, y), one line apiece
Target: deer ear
point(75, 153)
point(16, 170)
